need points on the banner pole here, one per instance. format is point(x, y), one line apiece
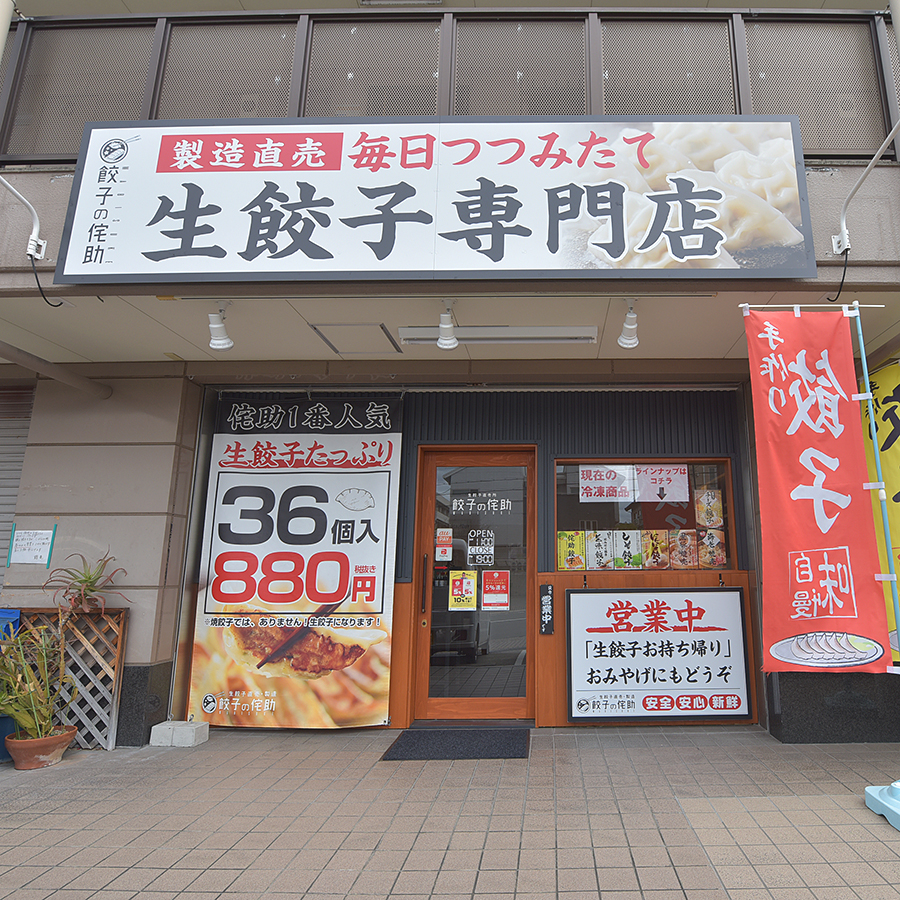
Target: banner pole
point(882, 494)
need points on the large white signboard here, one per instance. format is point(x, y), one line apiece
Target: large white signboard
point(660, 654)
point(255, 200)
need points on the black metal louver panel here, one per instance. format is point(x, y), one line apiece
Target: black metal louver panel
point(228, 70)
point(4, 55)
point(520, 68)
point(75, 75)
point(667, 68)
point(373, 69)
point(895, 54)
point(825, 73)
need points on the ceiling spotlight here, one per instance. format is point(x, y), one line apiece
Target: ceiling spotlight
point(446, 338)
point(628, 338)
point(218, 336)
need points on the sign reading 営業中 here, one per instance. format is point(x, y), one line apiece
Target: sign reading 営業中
point(546, 608)
point(667, 653)
point(593, 198)
point(294, 614)
point(822, 607)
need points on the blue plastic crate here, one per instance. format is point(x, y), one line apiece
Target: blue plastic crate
point(7, 726)
point(9, 621)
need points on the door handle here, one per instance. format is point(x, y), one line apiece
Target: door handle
point(424, 581)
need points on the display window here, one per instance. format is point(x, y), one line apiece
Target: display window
point(669, 514)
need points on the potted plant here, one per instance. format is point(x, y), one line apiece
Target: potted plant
point(83, 587)
point(35, 689)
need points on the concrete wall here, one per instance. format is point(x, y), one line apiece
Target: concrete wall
point(115, 475)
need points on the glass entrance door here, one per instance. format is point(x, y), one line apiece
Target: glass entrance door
point(475, 628)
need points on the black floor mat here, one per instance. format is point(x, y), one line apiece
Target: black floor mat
point(460, 743)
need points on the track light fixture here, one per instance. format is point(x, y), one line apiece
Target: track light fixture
point(446, 336)
point(218, 336)
point(628, 339)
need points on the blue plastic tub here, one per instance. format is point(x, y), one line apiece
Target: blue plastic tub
point(9, 622)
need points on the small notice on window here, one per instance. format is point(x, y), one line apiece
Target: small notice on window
point(495, 588)
point(463, 590)
point(662, 484)
point(443, 543)
point(605, 484)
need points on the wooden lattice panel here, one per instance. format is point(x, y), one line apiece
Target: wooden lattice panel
point(95, 647)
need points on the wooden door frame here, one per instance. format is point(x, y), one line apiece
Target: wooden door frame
point(423, 706)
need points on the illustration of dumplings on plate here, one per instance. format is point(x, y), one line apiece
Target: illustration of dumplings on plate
point(355, 499)
point(827, 649)
point(740, 177)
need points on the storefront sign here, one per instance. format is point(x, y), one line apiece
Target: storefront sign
point(822, 607)
point(470, 503)
point(495, 589)
point(458, 198)
point(656, 654)
point(294, 612)
point(546, 600)
point(885, 388)
point(463, 590)
point(480, 547)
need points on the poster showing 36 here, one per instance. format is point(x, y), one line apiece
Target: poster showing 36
point(293, 622)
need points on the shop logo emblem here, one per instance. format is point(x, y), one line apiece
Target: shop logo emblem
point(583, 704)
point(208, 703)
point(113, 150)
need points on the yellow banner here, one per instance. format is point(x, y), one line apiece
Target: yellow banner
point(885, 387)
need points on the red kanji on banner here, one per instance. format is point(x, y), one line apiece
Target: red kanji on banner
point(822, 607)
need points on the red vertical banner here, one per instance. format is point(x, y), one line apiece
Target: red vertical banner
point(822, 607)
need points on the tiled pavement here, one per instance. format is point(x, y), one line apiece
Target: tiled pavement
point(693, 813)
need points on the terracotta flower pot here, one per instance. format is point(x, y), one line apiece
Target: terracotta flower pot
point(36, 753)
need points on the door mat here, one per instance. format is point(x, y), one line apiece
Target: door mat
point(460, 743)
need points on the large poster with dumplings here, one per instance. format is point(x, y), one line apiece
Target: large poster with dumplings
point(293, 623)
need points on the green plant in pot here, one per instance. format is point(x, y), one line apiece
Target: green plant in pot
point(35, 689)
point(35, 693)
point(83, 587)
